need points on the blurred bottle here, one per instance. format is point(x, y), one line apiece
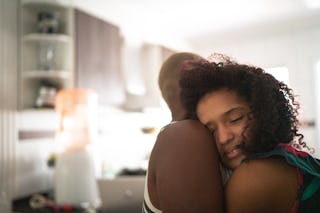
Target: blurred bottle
point(47, 56)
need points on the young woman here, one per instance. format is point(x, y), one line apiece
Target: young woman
point(253, 120)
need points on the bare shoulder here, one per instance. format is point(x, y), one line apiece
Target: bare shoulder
point(184, 139)
point(185, 127)
point(183, 133)
point(184, 169)
point(266, 185)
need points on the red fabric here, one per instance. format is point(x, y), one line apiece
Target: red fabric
point(295, 206)
point(289, 148)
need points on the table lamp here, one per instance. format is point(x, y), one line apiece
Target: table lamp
point(75, 181)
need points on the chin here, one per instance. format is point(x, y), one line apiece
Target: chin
point(233, 164)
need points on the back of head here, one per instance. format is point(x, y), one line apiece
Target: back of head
point(168, 81)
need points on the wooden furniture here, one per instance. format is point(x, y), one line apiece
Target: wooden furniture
point(98, 58)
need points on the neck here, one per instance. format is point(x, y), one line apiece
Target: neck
point(178, 115)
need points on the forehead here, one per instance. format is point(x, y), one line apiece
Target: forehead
point(220, 102)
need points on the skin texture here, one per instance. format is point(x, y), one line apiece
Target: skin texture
point(226, 123)
point(257, 186)
point(184, 173)
point(184, 168)
point(263, 186)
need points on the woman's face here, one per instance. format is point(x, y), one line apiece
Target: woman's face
point(226, 115)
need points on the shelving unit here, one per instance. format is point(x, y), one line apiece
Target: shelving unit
point(46, 50)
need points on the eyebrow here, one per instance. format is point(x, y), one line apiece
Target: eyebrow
point(233, 110)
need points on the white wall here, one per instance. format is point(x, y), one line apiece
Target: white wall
point(32, 172)
point(141, 63)
point(8, 99)
point(296, 47)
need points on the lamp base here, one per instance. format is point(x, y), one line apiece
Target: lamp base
point(75, 181)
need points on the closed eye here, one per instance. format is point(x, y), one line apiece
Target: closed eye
point(237, 119)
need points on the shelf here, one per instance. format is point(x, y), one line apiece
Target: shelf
point(46, 53)
point(52, 3)
point(36, 37)
point(63, 74)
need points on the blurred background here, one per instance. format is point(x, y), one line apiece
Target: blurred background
point(116, 48)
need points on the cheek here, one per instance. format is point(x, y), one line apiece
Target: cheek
point(247, 132)
point(240, 131)
point(243, 131)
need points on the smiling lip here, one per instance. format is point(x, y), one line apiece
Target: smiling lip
point(233, 153)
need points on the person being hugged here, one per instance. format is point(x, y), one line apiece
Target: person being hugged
point(184, 169)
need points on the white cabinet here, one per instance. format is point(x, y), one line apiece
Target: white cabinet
point(46, 51)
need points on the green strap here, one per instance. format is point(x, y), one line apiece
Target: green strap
point(303, 165)
point(311, 189)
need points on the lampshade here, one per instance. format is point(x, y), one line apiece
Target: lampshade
point(77, 110)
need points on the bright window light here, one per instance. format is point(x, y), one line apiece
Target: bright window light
point(317, 76)
point(312, 4)
point(280, 73)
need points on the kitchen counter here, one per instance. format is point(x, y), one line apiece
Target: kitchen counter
point(22, 205)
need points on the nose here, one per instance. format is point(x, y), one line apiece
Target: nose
point(223, 135)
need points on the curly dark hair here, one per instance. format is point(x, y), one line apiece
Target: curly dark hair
point(272, 103)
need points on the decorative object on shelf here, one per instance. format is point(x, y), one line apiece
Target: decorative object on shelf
point(45, 98)
point(46, 56)
point(46, 95)
point(75, 181)
point(48, 22)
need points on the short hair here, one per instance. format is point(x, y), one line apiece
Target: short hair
point(169, 75)
point(272, 103)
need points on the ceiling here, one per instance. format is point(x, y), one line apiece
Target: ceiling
point(187, 20)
